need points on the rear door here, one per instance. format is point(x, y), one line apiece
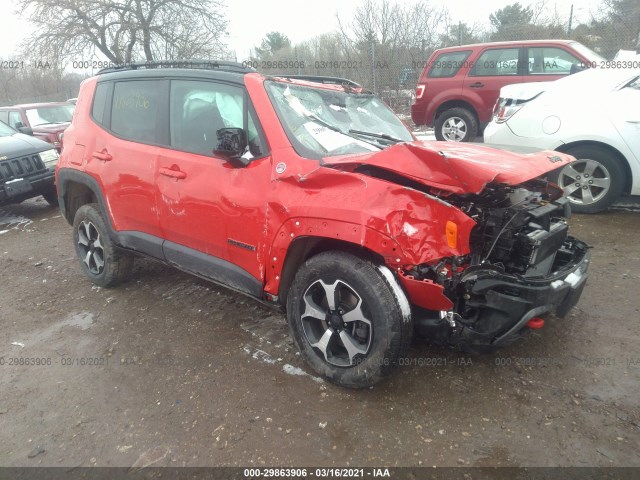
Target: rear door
point(124, 151)
point(212, 214)
point(493, 69)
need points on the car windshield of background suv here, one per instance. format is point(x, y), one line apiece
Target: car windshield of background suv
point(6, 130)
point(48, 115)
point(328, 122)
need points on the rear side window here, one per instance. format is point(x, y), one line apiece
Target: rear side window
point(496, 62)
point(135, 110)
point(448, 64)
point(550, 61)
point(100, 103)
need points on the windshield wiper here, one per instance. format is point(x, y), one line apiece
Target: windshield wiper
point(383, 136)
point(336, 129)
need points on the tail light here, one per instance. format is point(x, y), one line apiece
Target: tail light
point(504, 109)
point(420, 91)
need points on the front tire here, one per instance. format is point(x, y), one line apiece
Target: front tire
point(100, 259)
point(347, 320)
point(593, 182)
point(456, 125)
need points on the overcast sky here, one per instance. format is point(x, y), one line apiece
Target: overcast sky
point(300, 20)
point(250, 20)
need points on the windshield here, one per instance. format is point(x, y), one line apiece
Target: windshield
point(6, 130)
point(589, 54)
point(321, 122)
point(53, 114)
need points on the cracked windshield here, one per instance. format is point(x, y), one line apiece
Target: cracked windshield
point(323, 122)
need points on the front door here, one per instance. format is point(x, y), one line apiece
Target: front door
point(212, 213)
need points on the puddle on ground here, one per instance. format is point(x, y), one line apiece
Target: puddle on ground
point(81, 320)
point(10, 221)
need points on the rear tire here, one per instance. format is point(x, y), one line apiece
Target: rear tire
point(456, 125)
point(593, 182)
point(100, 259)
point(355, 339)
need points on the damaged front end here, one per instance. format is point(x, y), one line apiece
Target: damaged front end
point(522, 265)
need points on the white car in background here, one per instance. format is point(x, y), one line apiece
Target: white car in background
point(593, 115)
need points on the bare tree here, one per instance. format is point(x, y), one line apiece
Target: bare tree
point(393, 39)
point(42, 82)
point(127, 30)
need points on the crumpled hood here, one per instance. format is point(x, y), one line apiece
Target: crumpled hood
point(458, 167)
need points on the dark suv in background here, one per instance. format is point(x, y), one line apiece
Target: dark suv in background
point(460, 85)
point(45, 121)
point(26, 167)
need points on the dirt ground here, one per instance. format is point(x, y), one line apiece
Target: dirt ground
point(173, 371)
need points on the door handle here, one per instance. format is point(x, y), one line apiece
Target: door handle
point(173, 172)
point(477, 85)
point(103, 155)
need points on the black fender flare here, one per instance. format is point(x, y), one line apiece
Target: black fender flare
point(69, 175)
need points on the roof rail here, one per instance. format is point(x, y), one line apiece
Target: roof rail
point(321, 79)
point(195, 64)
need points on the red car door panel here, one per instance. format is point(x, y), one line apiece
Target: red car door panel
point(125, 165)
point(205, 203)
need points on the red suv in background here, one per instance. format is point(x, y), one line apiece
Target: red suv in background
point(460, 85)
point(309, 194)
point(45, 121)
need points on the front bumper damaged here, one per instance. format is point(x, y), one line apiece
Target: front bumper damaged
point(503, 303)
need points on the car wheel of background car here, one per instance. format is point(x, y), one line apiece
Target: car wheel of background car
point(51, 196)
point(100, 259)
point(593, 182)
point(456, 125)
point(347, 320)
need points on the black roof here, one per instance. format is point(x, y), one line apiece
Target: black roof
point(214, 69)
point(216, 65)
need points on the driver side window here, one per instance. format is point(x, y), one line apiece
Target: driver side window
point(199, 109)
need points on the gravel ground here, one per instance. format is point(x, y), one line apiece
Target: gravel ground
point(169, 370)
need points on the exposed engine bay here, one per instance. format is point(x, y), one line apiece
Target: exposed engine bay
point(522, 264)
point(519, 230)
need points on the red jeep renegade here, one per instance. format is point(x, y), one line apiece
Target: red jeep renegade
point(310, 194)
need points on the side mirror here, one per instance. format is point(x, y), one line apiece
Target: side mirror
point(232, 144)
point(577, 67)
point(25, 130)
